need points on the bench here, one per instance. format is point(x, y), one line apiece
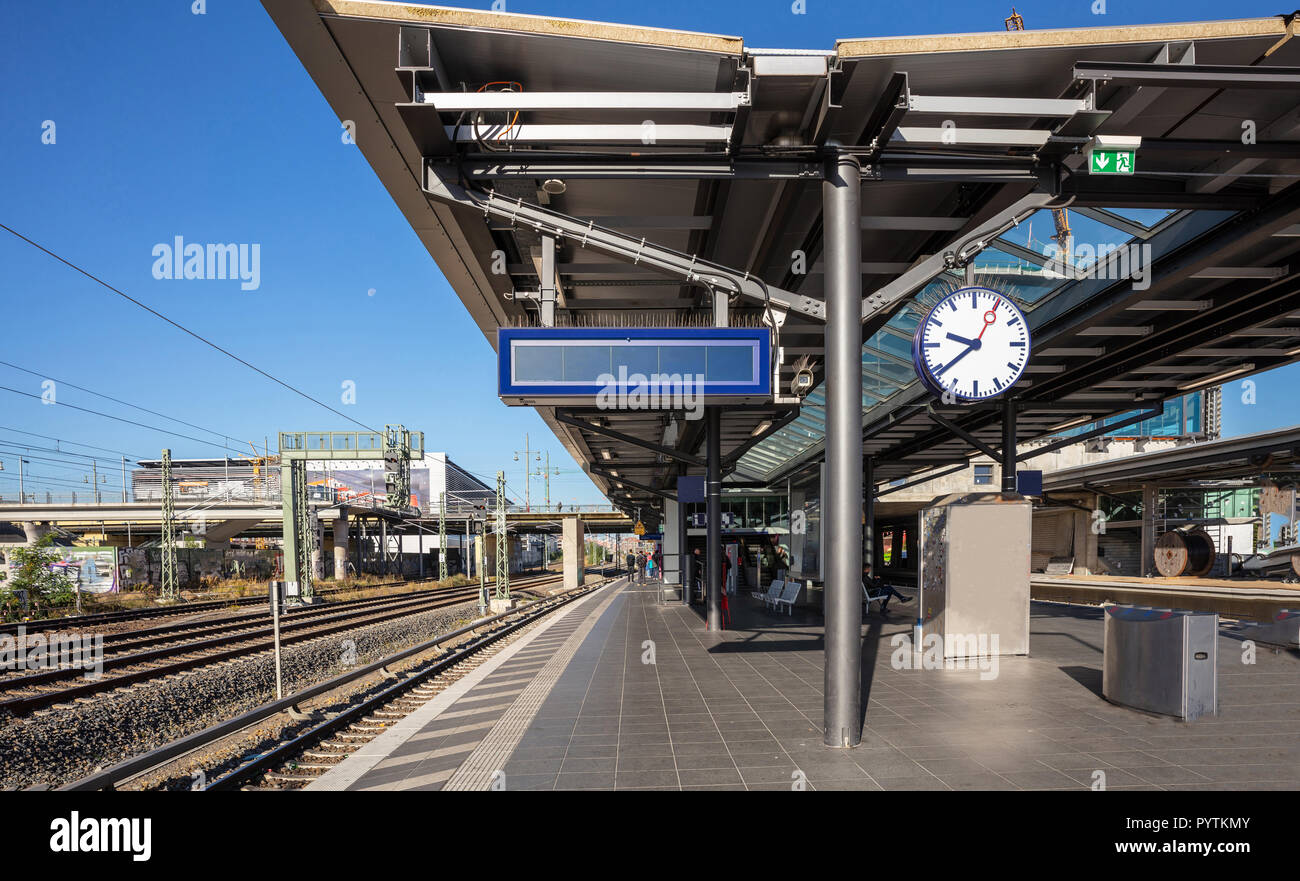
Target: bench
point(772, 590)
point(788, 596)
point(775, 595)
point(879, 596)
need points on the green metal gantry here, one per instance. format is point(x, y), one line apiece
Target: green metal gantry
point(503, 542)
point(442, 536)
point(395, 445)
point(482, 568)
point(170, 590)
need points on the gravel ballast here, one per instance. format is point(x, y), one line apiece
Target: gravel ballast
point(68, 744)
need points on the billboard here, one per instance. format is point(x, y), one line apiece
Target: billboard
point(90, 569)
point(361, 481)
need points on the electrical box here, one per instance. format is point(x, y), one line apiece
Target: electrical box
point(1161, 660)
point(974, 574)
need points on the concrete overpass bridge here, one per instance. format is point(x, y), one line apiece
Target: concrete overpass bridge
point(219, 521)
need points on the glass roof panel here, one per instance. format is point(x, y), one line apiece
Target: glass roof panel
point(1020, 269)
point(1148, 217)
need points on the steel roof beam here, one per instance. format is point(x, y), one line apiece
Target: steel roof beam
point(879, 303)
point(629, 440)
point(439, 183)
point(965, 136)
point(1029, 107)
point(708, 102)
point(636, 133)
point(604, 472)
point(1192, 76)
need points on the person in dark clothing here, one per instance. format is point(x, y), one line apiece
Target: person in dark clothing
point(631, 563)
point(874, 584)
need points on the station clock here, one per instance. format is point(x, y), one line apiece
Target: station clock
point(973, 345)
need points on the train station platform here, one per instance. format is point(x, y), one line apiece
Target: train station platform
point(621, 692)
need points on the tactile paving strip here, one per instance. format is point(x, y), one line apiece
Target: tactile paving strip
point(491, 754)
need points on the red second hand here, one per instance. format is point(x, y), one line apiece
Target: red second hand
point(990, 317)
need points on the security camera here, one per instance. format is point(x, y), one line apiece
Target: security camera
point(802, 383)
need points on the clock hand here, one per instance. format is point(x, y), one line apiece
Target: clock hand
point(990, 317)
point(975, 343)
point(964, 353)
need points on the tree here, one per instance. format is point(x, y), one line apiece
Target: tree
point(35, 574)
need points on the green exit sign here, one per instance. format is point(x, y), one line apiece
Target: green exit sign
point(1110, 162)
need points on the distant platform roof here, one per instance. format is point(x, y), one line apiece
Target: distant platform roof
point(729, 174)
point(1276, 453)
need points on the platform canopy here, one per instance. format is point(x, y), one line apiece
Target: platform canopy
point(599, 175)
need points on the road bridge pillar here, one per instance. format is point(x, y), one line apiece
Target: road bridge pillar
point(33, 531)
point(842, 521)
point(341, 545)
point(574, 549)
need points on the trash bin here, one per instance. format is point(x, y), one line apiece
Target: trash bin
point(1283, 630)
point(1161, 660)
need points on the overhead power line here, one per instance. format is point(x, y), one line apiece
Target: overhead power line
point(59, 440)
point(181, 327)
point(220, 434)
point(120, 419)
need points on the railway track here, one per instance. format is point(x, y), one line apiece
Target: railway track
point(210, 643)
point(308, 748)
point(94, 619)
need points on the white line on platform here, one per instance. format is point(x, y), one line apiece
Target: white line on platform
point(361, 762)
point(493, 751)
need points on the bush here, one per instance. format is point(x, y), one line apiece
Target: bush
point(35, 575)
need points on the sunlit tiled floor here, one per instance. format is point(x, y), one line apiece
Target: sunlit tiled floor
point(742, 709)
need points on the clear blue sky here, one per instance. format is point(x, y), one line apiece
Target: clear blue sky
point(171, 124)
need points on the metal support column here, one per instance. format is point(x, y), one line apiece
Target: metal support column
point(842, 520)
point(503, 541)
point(688, 575)
point(169, 589)
point(1008, 445)
point(713, 495)
point(442, 536)
point(482, 567)
point(547, 293)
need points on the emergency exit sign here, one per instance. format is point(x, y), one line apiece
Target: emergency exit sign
point(1110, 162)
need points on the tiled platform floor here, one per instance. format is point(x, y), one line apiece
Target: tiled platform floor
point(742, 710)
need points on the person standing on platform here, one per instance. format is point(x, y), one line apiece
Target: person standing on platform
point(631, 565)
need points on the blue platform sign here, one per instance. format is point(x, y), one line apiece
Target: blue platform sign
point(1029, 483)
point(690, 489)
point(679, 368)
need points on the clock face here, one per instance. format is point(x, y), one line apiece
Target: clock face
point(974, 344)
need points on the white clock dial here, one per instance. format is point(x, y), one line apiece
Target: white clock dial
point(974, 344)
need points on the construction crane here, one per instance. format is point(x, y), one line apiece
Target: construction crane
point(1016, 22)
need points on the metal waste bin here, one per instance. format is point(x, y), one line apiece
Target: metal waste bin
point(1283, 630)
point(1161, 660)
